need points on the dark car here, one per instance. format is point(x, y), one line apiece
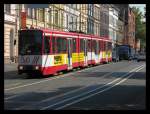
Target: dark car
point(141, 57)
point(135, 56)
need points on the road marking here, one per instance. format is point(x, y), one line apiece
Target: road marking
point(61, 94)
point(14, 84)
point(89, 91)
point(65, 75)
point(11, 97)
point(83, 98)
point(57, 96)
point(35, 83)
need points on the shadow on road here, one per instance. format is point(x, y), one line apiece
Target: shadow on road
point(137, 75)
point(121, 97)
point(33, 97)
point(14, 75)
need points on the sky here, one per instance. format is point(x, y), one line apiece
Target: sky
point(140, 6)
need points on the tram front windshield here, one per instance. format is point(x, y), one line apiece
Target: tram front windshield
point(30, 42)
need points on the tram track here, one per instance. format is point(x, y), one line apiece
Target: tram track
point(72, 100)
point(82, 93)
point(57, 77)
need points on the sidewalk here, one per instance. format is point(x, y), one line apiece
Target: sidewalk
point(10, 67)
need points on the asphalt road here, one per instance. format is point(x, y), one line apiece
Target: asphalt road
point(114, 86)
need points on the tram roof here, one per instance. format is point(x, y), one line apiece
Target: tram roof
point(51, 31)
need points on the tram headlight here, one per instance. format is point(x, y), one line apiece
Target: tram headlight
point(20, 67)
point(37, 67)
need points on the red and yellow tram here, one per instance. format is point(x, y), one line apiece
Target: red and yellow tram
point(47, 51)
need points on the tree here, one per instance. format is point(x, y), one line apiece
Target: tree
point(140, 27)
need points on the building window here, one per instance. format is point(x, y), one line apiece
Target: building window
point(50, 17)
point(92, 27)
point(97, 28)
point(111, 34)
point(41, 15)
point(111, 19)
point(34, 13)
point(72, 22)
point(89, 9)
point(71, 5)
point(67, 21)
point(61, 18)
point(92, 10)
point(8, 8)
point(74, 6)
point(75, 23)
point(88, 28)
point(56, 18)
point(29, 12)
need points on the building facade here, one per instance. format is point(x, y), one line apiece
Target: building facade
point(123, 22)
point(90, 19)
point(52, 17)
point(131, 28)
point(113, 26)
point(71, 17)
point(97, 19)
point(104, 20)
point(10, 32)
point(120, 32)
point(83, 25)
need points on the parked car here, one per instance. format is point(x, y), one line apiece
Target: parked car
point(135, 56)
point(141, 57)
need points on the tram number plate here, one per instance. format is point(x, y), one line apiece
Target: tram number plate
point(29, 59)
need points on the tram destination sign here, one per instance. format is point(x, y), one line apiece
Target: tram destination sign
point(38, 5)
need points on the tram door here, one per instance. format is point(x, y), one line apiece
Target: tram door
point(69, 53)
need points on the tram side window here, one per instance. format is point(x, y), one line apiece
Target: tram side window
point(46, 44)
point(86, 44)
point(61, 45)
point(104, 46)
point(74, 45)
point(109, 46)
point(53, 44)
point(99, 46)
point(89, 45)
point(81, 45)
point(94, 46)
